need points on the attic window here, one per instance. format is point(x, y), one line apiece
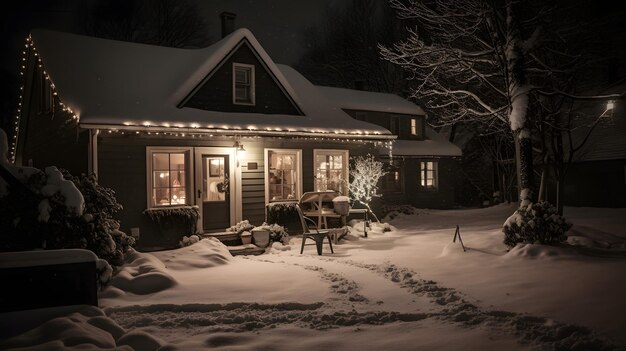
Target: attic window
point(243, 84)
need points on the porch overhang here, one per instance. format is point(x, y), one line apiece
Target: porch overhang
point(267, 132)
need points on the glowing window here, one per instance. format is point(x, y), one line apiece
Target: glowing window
point(168, 178)
point(331, 170)
point(429, 174)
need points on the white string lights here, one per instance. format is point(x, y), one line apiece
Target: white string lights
point(29, 48)
point(190, 130)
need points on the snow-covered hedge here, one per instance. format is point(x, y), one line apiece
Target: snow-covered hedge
point(170, 225)
point(58, 211)
point(536, 223)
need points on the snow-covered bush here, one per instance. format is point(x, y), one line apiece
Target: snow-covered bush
point(54, 210)
point(537, 223)
point(243, 226)
point(190, 240)
point(391, 211)
point(277, 233)
point(169, 225)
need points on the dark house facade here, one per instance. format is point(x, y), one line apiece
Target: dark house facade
point(223, 128)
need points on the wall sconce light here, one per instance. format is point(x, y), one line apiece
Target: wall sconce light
point(610, 105)
point(239, 146)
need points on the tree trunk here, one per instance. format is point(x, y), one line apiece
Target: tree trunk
point(524, 162)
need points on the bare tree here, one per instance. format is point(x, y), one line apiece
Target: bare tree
point(478, 63)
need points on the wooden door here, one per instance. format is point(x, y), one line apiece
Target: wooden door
point(214, 191)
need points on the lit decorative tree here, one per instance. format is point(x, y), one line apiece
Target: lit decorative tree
point(365, 174)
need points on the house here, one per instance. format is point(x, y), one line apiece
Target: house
point(223, 128)
point(421, 168)
point(597, 174)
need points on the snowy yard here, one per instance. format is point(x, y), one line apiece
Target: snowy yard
point(407, 289)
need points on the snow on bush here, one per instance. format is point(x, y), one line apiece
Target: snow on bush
point(277, 233)
point(537, 223)
point(54, 210)
point(243, 226)
point(186, 241)
point(391, 211)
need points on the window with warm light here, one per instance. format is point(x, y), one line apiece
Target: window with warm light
point(283, 178)
point(243, 84)
point(429, 174)
point(331, 170)
point(168, 178)
point(413, 126)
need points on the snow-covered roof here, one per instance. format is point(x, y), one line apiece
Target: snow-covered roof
point(435, 144)
point(114, 84)
point(350, 99)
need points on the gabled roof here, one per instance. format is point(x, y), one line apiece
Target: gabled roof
point(435, 144)
point(114, 84)
point(351, 99)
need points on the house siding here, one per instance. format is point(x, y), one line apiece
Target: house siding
point(443, 197)
point(122, 167)
point(383, 119)
point(49, 137)
point(596, 184)
point(217, 92)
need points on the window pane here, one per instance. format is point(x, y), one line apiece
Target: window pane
point(161, 179)
point(169, 179)
point(330, 171)
point(282, 176)
point(242, 75)
point(160, 162)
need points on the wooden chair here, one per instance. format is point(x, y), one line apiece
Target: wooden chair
point(310, 231)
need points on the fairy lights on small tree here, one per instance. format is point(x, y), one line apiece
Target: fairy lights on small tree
point(365, 173)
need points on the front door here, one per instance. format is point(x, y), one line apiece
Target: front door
point(214, 182)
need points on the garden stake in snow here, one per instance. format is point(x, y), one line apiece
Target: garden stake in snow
point(457, 233)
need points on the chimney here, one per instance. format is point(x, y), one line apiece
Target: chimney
point(228, 23)
point(359, 84)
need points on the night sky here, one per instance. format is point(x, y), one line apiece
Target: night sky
point(279, 25)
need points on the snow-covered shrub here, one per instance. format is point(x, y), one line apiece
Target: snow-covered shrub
point(243, 226)
point(281, 212)
point(537, 223)
point(391, 211)
point(186, 241)
point(277, 233)
point(54, 210)
point(171, 224)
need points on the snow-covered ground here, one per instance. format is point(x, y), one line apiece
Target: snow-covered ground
point(407, 289)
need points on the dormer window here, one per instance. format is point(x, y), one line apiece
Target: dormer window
point(243, 84)
point(413, 127)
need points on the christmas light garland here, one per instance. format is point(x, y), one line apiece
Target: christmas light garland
point(193, 130)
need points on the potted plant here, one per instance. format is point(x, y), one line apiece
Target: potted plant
point(246, 237)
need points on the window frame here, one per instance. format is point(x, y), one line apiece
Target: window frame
point(266, 158)
point(252, 86)
point(345, 166)
point(423, 171)
point(189, 191)
point(417, 131)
